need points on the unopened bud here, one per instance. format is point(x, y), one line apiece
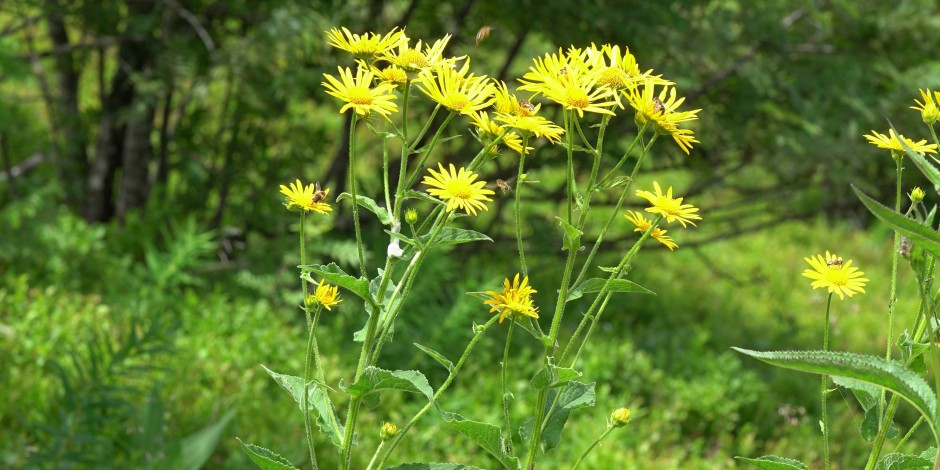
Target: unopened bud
point(310, 301)
point(620, 417)
point(411, 216)
point(917, 195)
point(389, 431)
point(929, 113)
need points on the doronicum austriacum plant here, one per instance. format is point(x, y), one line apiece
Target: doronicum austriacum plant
point(881, 384)
point(431, 206)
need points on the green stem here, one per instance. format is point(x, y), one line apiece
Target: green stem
point(625, 157)
point(507, 424)
point(615, 212)
point(519, 177)
point(430, 148)
point(450, 378)
point(378, 450)
point(352, 190)
point(592, 446)
point(894, 263)
point(311, 344)
point(385, 185)
point(405, 151)
point(308, 428)
point(882, 433)
point(822, 391)
point(569, 170)
point(910, 432)
point(933, 134)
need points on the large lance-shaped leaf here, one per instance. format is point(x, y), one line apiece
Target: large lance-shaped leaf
point(317, 399)
point(333, 274)
point(918, 233)
point(485, 435)
point(925, 167)
point(454, 236)
point(875, 370)
point(370, 205)
point(571, 396)
point(596, 284)
point(192, 451)
point(572, 235)
point(773, 462)
point(265, 459)
point(904, 462)
point(433, 466)
point(374, 380)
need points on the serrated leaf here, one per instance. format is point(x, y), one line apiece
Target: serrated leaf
point(898, 461)
point(571, 396)
point(553, 376)
point(925, 167)
point(572, 236)
point(915, 231)
point(485, 435)
point(437, 357)
point(375, 380)
point(875, 370)
point(333, 274)
point(597, 284)
point(413, 194)
point(773, 462)
point(265, 459)
point(369, 204)
point(317, 399)
point(433, 466)
point(454, 236)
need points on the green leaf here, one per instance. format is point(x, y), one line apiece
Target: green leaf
point(454, 236)
point(192, 451)
point(485, 435)
point(436, 356)
point(900, 461)
point(317, 400)
point(369, 204)
point(433, 466)
point(572, 235)
point(412, 194)
point(772, 462)
point(916, 232)
point(925, 167)
point(374, 380)
point(439, 141)
point(572, 396)
point(333, 274)
point(265, 459)
point(553, 376)
point(875, 370)
point(597, 284)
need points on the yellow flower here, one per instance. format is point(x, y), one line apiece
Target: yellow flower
point(533, 125)
point(455, 89)
point(306, 198)
point(325, 295)
point(893, 143)
point(515, 300)
point(661, 112)
point(358, 93)
point(929, 108)
point(414, 60)
point(670, 208)
point(458, 189)
point(507, 103)
point(565, 80)
point(489, 130)
point(916, 195)
point(618, 71)
point(643, 224)
point(390, 74)
point(831, 272)
point(365, 45)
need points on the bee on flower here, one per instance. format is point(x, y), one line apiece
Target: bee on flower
point(836, 275)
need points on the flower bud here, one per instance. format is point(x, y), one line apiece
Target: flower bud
point(917, 195)
point(310, 301)
point(620, 417)
point(929, 113)
point(389, 431)
point(411, 216)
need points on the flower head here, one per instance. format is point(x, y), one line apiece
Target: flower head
point(489, 130)
point(458, 188)
point(662, 112)
point(893, 142)
point(917, 195)
point(455, 89)
point(411, 216)
point(616, 70)
point(620, 417)
point(831, 272)
point(359, 94)
point(670, 208)
point(388, 431)
point(643, 224)
point(326, 296)
point(565, 80)
point(532, 125)
point(414, 59)
point(365, 45)
point(308, 198)
point(514, 301)
point(929, 109)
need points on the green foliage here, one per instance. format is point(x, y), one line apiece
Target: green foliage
point(773, 462)
point(265, 459)
point(485, 435)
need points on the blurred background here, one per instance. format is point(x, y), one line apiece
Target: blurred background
point(148, 266)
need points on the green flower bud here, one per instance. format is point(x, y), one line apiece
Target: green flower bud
point(389, 431)
point(411, 216)
point(620, 417)
point(917, 195)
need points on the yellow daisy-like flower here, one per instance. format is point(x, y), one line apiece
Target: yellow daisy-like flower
point(671, 208)
point(458, 188)
point(507, 103)
point(390, 74)
point(661, 111)
point(514, 301)
point(365, 45)
point(455, 89)
point(553, 67)
point(643, 224)
point(308, 198)
point(358, 93)
point(533, 125)
point(836, 275)
point(566, 81)
point(616, 70)
point(894, 143)
point(489, 130)
point(325, 295)
point(929, 109)
point(416, 60)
